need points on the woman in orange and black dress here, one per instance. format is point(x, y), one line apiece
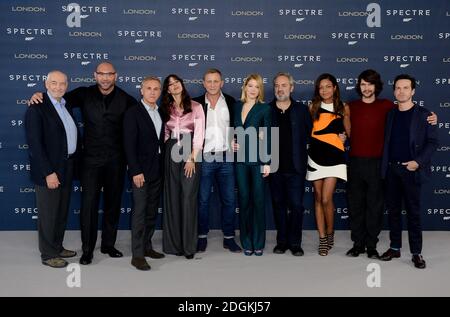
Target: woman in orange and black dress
point(326, 160)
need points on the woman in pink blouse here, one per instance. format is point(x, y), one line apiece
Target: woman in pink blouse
point(184, 135)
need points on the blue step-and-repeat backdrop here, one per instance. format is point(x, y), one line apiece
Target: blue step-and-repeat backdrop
point(142, 38)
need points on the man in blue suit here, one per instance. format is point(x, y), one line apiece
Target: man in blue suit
point(287, 185)
point(409, 144)
point(52, 139)
point(143, 142)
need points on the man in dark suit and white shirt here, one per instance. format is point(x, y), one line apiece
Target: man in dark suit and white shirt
point(52, 139)
point(143, 141)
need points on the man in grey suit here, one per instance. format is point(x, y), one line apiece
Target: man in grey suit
point(52, 139)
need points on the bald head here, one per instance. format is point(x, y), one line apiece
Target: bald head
point(56, 74)
point(56, 84)
point(105, 65)
point(105, 75)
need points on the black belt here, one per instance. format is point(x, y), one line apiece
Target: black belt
point(216, 153)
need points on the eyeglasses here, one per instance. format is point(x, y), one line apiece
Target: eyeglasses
point(105, 74)
point(174, 82)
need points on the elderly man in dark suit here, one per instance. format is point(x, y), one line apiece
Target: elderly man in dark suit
point(409, 144)
point(143, 141)
point(52, 138)
point(288, 183)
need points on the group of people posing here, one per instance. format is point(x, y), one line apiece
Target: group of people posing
point(180, 147)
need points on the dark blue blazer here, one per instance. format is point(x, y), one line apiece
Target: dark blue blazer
point(301, 131)
point(141, 143)
point(423, 142)
point(47, 142)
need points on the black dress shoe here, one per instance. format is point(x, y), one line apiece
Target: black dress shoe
point(189, 256)
point(230, 244)
point(297, 251)
point(112, 252)
point(390, 254)
point(355, 251)
point(140, 263)
point(280, 249)
point(153, 254)
point(86, 258)
point(201, 244)
point(418, 261)
point(372, 253)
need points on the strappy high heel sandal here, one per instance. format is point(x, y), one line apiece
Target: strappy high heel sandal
point(330, 240)
point(323, 246)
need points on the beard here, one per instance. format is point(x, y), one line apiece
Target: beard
point(368, 94)
point(106, 85)
point(282, 98)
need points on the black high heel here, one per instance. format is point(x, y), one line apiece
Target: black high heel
point(323, 246)
point(330, 240)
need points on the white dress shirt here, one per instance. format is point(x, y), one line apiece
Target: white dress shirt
point(217, 124)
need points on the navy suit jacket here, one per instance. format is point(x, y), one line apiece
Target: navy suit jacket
point(301, 131)
point(47, 142)
point(143, 148)
point(423, 142)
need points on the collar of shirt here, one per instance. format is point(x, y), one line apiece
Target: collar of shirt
point(149, 108)
point(55, 102)
point(221, 98)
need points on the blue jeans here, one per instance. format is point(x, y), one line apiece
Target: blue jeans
point(223, 173)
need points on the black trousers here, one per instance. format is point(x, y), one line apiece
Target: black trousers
point(180, 214)
point(53, 209)
point(143, 218)
point(401, 187)
point(110, 176)
point(287, 191)
point(365, 201)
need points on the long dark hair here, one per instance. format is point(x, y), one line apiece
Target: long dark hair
point(167, 99)
point(338, 105)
